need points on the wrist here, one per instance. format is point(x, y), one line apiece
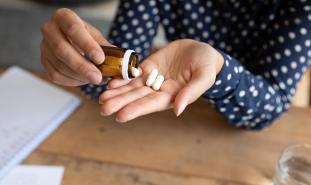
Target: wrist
point(216, 56)
point(219, 61)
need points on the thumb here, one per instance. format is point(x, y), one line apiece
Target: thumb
point(201, 80)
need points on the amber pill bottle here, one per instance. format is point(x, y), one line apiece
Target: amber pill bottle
point(118, 62)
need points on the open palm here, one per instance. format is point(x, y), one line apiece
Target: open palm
point(189, 68)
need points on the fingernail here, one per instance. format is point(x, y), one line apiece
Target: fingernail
point(181, 108)
point(104, 81)
point(120, 121)
point(97, 56)
point(102, 114)
point(95, 77)
point(117, 120)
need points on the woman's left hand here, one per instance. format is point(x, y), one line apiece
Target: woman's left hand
point(189, 67)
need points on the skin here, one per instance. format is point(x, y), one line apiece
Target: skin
point(66, 38)
point(189, 67)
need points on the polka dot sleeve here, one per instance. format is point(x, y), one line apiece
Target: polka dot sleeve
point(134, 27)
point(253, 96)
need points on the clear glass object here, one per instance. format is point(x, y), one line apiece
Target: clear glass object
point(294, 166)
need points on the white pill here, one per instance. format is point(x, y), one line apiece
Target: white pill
point(152, 77)
point(136, 72)
point(158, 82)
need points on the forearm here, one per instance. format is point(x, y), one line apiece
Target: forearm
point(247, 100)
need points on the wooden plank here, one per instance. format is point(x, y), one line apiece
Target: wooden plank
point(91, 172)
point(200, 143)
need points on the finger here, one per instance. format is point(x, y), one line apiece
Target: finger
point(64, 69)
point(121, 90)
point(202, 79)
point(110, 93)
point(74, 28)
point(69, 72)
point(116, 103)
point(116, 83)
point(153, 102)
point(65, 52)
point(147, 66)
point(97, 35)
point(57, 77)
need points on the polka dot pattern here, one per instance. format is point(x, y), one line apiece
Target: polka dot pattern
point(265, 52)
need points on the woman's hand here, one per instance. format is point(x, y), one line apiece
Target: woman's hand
point(189, 67)
point(66, 38)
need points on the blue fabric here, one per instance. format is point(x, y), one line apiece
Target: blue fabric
point(265, 44)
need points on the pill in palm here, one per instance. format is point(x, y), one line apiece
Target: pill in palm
point(136, 72)
point(152, 77)
point(158, 82)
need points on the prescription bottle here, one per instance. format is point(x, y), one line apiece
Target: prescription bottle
point(118, 62)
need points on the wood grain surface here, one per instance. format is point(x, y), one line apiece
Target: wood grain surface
point(199, 147)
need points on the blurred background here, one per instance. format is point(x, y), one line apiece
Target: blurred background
point(20, 22)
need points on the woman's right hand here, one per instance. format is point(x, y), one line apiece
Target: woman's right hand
point(66, 38)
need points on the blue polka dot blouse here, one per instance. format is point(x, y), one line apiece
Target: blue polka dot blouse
point(265, 45)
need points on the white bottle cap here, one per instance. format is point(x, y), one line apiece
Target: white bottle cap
point(125, 63)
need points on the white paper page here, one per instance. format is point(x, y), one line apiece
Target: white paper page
point(30, 110)
point(34, 175)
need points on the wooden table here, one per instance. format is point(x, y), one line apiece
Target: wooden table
point(198, 148)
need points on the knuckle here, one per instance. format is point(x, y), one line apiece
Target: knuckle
point(82, 69)
point(123, 97)
point(55, 76)
point(97, 33)
point(74, 29)
point(49, 75)
point(45, 28)
point(88, 46)
point(60, 51)
point(62, 12)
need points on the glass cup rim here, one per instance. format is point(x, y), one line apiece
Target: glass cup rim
point(287, 149)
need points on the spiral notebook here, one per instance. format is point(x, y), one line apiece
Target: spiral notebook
point(30, 110)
